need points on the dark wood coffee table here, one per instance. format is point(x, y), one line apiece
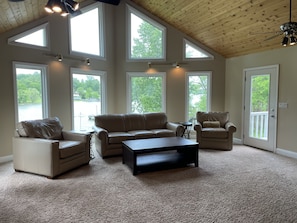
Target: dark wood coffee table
point(159, 153)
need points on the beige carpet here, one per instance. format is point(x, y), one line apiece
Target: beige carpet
point(243, 185)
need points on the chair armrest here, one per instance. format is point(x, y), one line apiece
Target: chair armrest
point(76, 136)
point(229, 126)
point(35, 155)
point(198, 127)
point(177, 128)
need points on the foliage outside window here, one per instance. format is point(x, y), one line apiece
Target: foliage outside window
point(87, 97)
point(198, 93)
point(147, 38)
point(30, 91)
point(146, 92)
point(260, 96)
point(86, 35)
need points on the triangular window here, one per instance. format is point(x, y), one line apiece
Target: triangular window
point(192, 51)
point(36, 37)
point(147, 37)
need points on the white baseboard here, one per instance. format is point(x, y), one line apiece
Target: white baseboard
point(287, 153)
point(5, 159)
point(237, 141)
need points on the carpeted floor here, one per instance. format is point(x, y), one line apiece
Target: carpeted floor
point(242, 185)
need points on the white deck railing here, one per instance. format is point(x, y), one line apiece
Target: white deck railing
point(259, 125)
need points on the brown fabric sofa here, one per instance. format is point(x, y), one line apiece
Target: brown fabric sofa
point(214, 130)
point(112, 129)
point(43, 147)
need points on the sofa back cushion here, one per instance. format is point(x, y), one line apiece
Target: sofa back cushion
point(134, 122)
point(112, 122)
point(155, 120)
point(50, 128)
point(222, 117)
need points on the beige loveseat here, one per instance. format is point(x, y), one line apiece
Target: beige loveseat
point(214, 130)
point(112, 129)
point(42, 147)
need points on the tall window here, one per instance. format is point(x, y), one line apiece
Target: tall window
point(30, 91)
point(146, 93)
point(86, 31)
point(88, 97)
point(198, 93)
point(147, 37)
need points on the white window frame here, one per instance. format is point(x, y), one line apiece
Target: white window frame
point(102, 44)
point(209, 87)
point(129, 75)
point(102, 75)
point(152, 22)
point(209, 56)
point(45, 26)
point(44, 82)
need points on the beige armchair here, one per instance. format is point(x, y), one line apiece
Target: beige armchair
point(42, 147)
point(214, 130)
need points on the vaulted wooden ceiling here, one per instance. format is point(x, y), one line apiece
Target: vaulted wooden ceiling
point(229, 27)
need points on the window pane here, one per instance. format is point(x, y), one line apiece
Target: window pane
point(146, 94)
point(37, 38)
point(192, 51)
point(87, 99)
point(29, 94)
point(197, 95)
point(85, 36)
point(146, 39)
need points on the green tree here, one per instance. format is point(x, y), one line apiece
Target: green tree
point(29, 88)
point(197, 95)
point(260, 93)
point(149, 42)
point(146, 94)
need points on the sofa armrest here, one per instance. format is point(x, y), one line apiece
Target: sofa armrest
point(35, 155)
point(177, 128)
point(101, 133)
point(230, 127)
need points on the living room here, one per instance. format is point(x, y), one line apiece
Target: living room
point(242, 185)
point(226, 86)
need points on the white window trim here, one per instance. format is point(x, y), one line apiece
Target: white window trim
point(102, 74)
point(44, 82)
point(130, 10)
point(209, 81)
point(12, 40)
point(102, 42)
point(209, 56)
point(129, 75)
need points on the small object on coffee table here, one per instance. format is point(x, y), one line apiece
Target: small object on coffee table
point(159, 153)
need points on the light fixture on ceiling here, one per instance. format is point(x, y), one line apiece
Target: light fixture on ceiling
point(88, 61)
point(289, 30)
point(63, 7)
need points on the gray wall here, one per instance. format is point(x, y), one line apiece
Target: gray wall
point(286, 120)
point(116, 66)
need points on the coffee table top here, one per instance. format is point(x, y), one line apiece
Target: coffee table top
point(158, 143)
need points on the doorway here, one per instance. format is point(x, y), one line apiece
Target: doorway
point(260, 107)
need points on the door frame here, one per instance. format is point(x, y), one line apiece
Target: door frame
point(276, 67)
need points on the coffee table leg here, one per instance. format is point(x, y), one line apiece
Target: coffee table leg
point(196, 157)
point(134, 165)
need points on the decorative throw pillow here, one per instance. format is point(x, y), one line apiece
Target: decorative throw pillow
point(211, 124)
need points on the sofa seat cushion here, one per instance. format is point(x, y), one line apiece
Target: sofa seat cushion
point(163, 132)
point(142, 134)
point(118, 137)
point(214, 133)
point(70, 148)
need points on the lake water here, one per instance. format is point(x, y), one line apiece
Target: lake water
point(84, 112)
